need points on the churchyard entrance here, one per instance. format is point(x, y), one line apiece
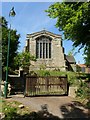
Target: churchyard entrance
point(50, 85)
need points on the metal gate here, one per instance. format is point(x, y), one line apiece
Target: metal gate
point(46, 85)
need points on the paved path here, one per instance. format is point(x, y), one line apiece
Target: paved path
point(63, 106)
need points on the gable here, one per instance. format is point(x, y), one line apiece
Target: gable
point(43, 33)
point(48, 49)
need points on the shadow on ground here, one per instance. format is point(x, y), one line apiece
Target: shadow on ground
point(72, 110)
point(43, 114)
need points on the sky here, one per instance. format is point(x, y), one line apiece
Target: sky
point(31, 17)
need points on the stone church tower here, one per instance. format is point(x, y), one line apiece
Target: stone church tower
point(47, 47)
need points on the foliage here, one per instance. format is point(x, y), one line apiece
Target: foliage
point(14, 44)
point(72, 78)
point(87, 55)
point(12, 111)
point(47, 73)
point(9, 111)
point(82, 90)
point(50, 73)
point(78, 68)
point(23, 60)
point(3, 21)
point(74, 19)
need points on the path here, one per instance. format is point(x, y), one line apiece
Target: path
point(61, 106)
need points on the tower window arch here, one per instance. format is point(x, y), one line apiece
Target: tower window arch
point(43, 47)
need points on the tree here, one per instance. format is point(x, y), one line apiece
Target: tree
point(87, 55)
point(23, 60)
point(74, 19)
point(14, 44)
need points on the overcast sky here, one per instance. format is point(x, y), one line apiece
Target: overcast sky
point(31, 17)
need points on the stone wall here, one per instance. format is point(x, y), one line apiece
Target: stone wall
point(57, 60)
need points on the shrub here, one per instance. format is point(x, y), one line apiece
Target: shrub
point(10, 112)
point(82, 90)
point(72, 79)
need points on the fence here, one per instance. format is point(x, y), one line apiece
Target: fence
point(50, 85)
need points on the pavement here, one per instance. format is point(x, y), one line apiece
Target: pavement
point(60, 106)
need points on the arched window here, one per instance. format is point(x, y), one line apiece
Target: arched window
point(43, 47)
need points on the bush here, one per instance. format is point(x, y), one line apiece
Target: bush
point(72, 79)
point(82, 90)
point(10, 112)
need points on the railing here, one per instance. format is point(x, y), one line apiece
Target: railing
point(50, 85)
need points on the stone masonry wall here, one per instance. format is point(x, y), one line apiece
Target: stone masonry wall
point(56, 61)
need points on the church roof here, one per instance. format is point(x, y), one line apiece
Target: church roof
point(43, 32)
point(70, 59)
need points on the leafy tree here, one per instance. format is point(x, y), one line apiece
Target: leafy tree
point(74, 19)
point(14, 44)
point(87, 55)
point(3, 22)
point(23, 60)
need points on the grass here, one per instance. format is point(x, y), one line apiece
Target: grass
point(50, 73)
point(11, 109)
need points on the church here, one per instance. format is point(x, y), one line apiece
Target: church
point(48, 49)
